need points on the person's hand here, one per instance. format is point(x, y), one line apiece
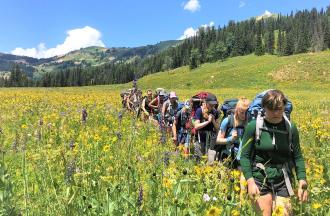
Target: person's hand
point(210, 118)
point(253, 189)
point(174, 139)
point(234, 135)
point(147, 114)
point(302, 191)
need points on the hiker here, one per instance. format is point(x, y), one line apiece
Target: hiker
point(156, 105)
point(146, 110)
point(169, 110)
point(127, 103)
point(270, 150)
point(206, 125)
point(180, 128)
point(231, 133)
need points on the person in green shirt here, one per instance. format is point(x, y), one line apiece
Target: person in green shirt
point(265, 158)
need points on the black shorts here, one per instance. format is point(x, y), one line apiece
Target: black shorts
point(277, 188)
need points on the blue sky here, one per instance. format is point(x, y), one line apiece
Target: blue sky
point(43, 28)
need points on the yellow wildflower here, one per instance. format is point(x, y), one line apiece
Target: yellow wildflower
point(316, 205)
point(214, 211)
point(106, 148)
point(167, 183)
point(234, 212)
point(278, 211)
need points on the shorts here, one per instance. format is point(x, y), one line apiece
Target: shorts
point(277, 188)
point(184, 137)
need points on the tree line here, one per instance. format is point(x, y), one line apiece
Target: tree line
point(282, 35)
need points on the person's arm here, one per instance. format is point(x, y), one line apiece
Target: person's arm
point(164, 108)
point(198, 116)
point(221, 139)
point(247, 157)
point(174, 130)
point(247, 150)
point(143, 106)
point(299, 165)
point(151, 104)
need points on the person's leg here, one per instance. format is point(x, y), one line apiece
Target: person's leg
point(264, 204)
point(282, 201)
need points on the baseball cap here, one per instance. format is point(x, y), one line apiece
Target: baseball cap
point(211, 99)
point(173, 95)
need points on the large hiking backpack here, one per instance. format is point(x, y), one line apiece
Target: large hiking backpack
point(256, 107)
point(171, 113)
point(228, 107)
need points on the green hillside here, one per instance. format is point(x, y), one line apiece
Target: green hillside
point(309, 71)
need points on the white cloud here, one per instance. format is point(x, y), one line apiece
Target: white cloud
point(192, 5)
point(241, 4)
point(190, 32)
point(76, 39)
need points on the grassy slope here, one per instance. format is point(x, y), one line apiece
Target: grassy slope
point(305, 71)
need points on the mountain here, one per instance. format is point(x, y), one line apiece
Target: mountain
point(85, 57)
point(266, 15)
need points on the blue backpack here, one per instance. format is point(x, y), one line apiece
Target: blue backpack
point(228, 107)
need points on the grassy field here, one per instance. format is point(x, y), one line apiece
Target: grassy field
point(54, 163)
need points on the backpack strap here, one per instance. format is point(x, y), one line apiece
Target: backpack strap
point(259, 126)
point(289, 130)
point(230, 124)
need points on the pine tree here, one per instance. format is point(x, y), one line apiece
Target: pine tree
point(270, 42)
point(279, 43)
point(288, 45)
point(195, 58)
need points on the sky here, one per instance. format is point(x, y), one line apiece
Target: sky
point(45, 28)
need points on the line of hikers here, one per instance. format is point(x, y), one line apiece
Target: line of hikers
point(257, 138)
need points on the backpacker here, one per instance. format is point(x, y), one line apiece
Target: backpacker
point(196, 102)
point(255, 111)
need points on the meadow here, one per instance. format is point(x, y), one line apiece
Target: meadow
point(73, 151)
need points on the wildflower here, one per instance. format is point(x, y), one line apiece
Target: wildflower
point(106, 148)
point(236, 174)
point(23, 126)
point(278, 211)
point(167, 183)
point(236, 188)
point(214, 211)
point(316, 205)
point(84, 115)
point(140, 198)
point(206, 197)
point(234, 212)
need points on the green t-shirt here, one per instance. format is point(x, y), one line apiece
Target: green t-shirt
point(271, 156)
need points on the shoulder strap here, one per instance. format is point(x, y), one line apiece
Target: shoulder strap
point(259, 125)
point(289, 129)
point(230, 124)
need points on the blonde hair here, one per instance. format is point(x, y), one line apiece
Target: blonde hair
point(243, 103)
